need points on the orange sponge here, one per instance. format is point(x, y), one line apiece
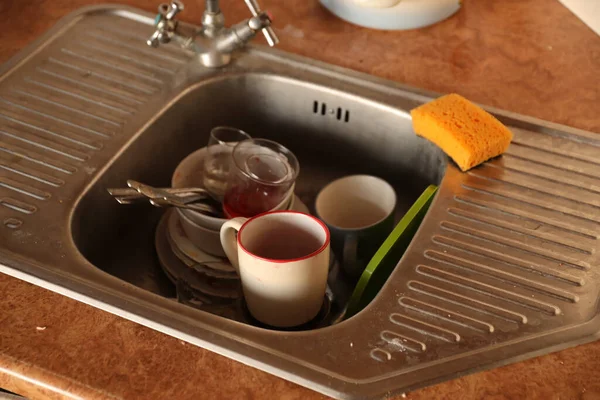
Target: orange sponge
point(463, 130)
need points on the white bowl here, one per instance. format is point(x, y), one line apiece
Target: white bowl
point(189, 249)
point(208, 240)
point(205, 239)
point(204, 245)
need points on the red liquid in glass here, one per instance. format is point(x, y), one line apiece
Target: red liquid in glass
point(247, 197)
point(251, 199)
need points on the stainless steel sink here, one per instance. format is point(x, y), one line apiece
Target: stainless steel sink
point(502, 268)
point(267, 105)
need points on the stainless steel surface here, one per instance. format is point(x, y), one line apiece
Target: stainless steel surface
point(212, 6)
point(162, 198)
point(4, 395)
point(213, 43)
point(502, 268)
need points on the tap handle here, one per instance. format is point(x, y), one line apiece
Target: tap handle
point(165, 23)
point(168, 11)
point(269, 33)
point(154, 39)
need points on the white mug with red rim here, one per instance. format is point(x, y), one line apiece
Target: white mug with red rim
point(283, 261)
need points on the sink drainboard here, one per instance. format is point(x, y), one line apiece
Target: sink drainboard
point(504, 266)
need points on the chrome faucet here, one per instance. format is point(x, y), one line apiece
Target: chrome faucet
point(213, 42)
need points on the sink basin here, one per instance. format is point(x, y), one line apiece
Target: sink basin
point(501, 269)
point(364, 137)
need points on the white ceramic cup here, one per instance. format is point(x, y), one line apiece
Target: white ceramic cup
point(283, 261)
point(359, 212)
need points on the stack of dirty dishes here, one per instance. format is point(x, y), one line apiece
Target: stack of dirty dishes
point(248, 176)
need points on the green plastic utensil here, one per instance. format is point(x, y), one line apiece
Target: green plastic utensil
point(387, 257)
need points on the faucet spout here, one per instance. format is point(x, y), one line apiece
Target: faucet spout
point(212, 6)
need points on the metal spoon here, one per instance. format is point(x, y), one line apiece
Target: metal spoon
point(199, 207)
point(180, 192)
point(162, 198)
point(137, 198)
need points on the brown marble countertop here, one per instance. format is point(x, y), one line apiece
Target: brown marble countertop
point(528, 56)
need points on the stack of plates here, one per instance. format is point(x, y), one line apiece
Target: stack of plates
point(202, 280)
